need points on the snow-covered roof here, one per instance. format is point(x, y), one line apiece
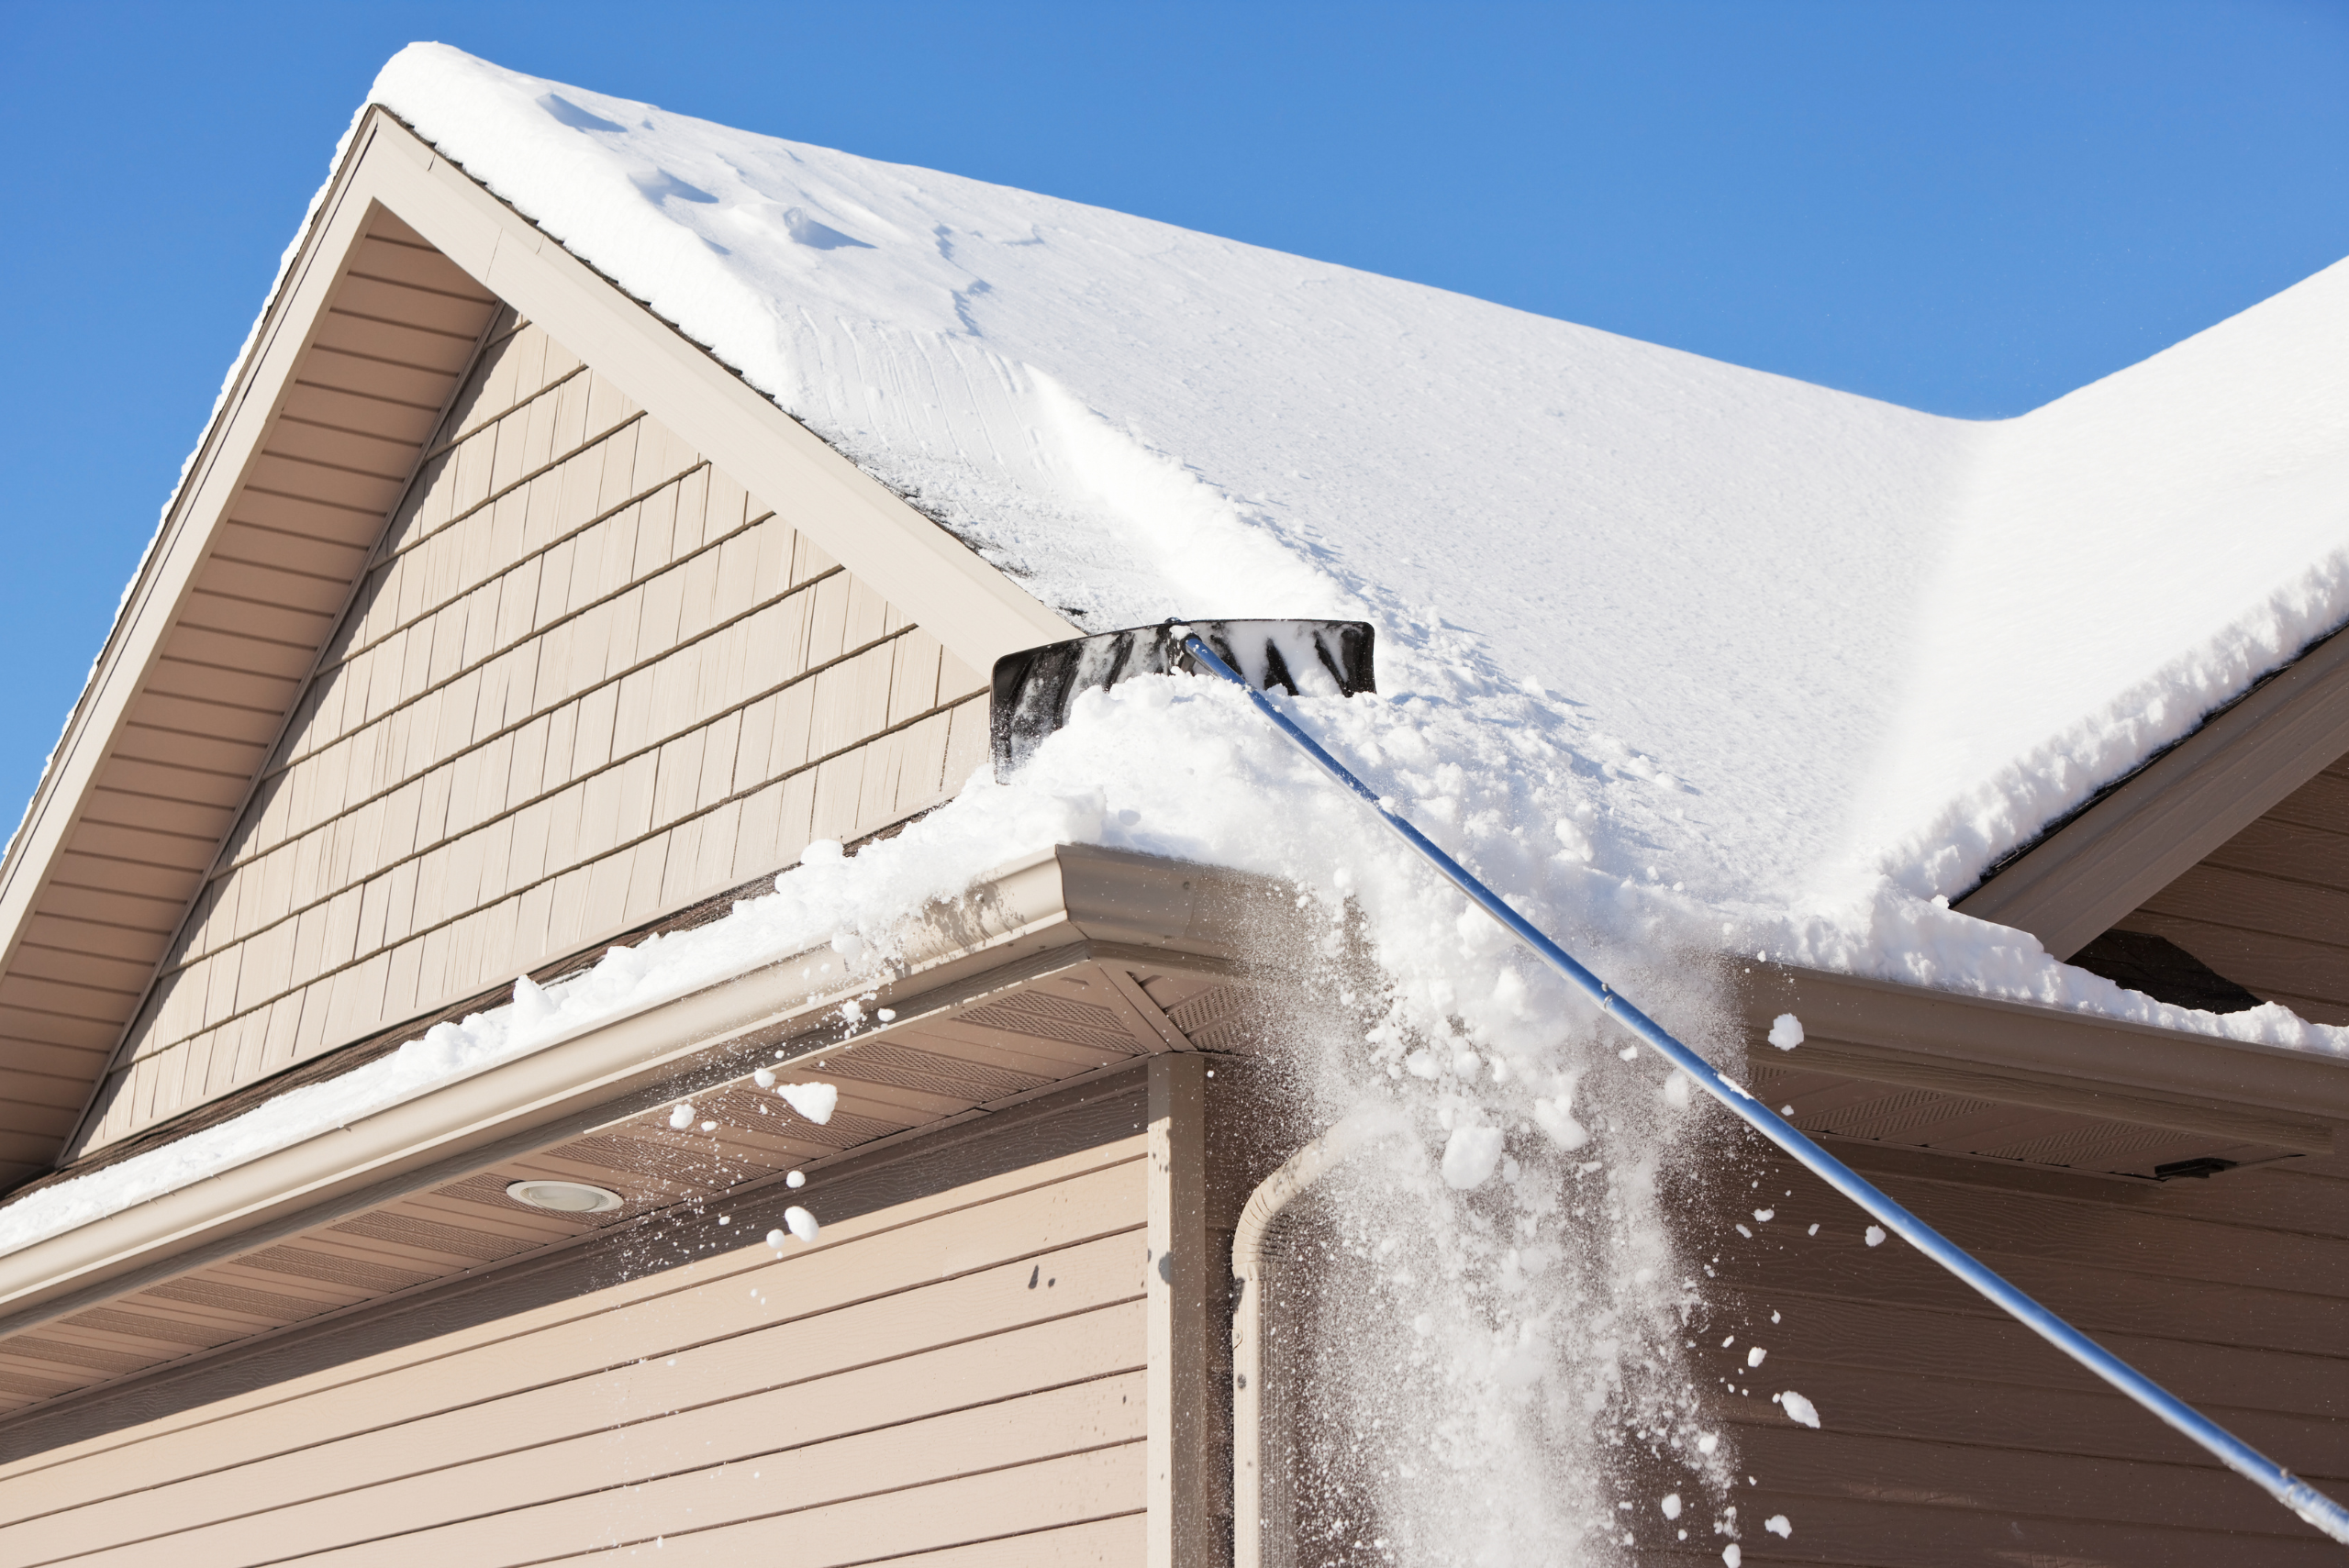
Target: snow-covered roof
point(1865, 639)
point(1680, 656)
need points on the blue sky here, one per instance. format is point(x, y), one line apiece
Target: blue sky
point(1969, 209)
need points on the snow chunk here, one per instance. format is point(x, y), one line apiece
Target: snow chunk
point(1555, 1117)
point(1779, 1526)
point(681, 1118)
point(1785, 1032)
point(1876, 1236)
point(814, 1101)
point(1470, 1155)
point(1671, 1504)
point(803, 1224)
point(1799, 1410)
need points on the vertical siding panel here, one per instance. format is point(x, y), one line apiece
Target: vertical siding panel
point(717, 779)
point(884, 766)
point(715, 846)
point(827, 620)
point(563, 817)
point(567, 911)
point(921, 779)
point(691, 514)
point(538, 436)
point(636, 779)
point(676, 784)
point(401, 981)
point(757, 835)
point(533, 937)
point(662, 613)
point(656, 533)
point(698, 595)
point(604, 906)
point(284, 1025)
point(840, 788)
point(867, 614)
point(592, 743)
point(809, 560)
point(431, 969)
point(728, 508)
point(913, 678)
point(966, 744)
point(648, 864)
point(682, 867)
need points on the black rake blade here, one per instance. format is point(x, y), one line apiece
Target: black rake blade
point(1034, 687)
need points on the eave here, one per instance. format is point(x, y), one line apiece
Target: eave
point(1903, 1066)
point(1155, 945)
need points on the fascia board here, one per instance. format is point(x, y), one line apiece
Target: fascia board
point(1065, 898)
point(2027, 1055)
point(941, 583)
point(155, 601)
point(2075, 886)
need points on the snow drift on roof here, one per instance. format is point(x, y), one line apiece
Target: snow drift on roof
point(1678, 655)
point(1869, 641)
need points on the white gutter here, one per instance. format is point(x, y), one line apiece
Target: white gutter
point(1052, 899)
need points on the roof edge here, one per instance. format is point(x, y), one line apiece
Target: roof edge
point(1035, 912)
point(2146, 829)
point(164, 556)
point(2026, 1053)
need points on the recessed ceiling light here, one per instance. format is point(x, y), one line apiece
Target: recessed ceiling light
point(564, 1198)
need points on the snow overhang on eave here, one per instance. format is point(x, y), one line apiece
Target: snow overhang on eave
point(2139, 834)
point(1160, 946)
point(1901, 1065)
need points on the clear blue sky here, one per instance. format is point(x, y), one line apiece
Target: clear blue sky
point(1968, 208)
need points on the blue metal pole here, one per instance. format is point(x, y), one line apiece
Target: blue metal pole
point(2303, 1499)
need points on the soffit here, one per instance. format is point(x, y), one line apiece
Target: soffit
point(368, 340)
point(1062, 971)
point(361, 352)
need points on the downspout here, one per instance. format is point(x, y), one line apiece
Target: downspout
point(1251, 1266)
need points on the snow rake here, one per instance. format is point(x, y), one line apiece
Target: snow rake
point(1032, 693)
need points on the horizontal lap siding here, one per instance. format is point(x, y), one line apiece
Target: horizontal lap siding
point(1952, 1435)
point(585, 681)
point(2266, 908)
point(961, 1376)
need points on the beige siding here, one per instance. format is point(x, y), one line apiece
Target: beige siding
point(962, 1374)
point(586, 680)
point(1951, 1435)
point(2269, 908)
